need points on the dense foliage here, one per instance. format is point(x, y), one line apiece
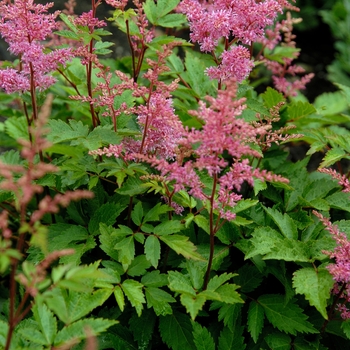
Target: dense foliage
point(154, 201)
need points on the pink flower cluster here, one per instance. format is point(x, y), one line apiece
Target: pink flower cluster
point(242, 21)
point(341, 268)
point(24, 25)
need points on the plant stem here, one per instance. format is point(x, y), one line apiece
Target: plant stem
point(212, 233)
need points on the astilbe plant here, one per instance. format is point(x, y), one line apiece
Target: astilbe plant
point(194, 196)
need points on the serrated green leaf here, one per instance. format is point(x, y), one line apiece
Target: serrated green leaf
point(108, 241)
point(255, 320)
point(339, 200)
point(284, 222)
point(119, 297)
point(17, 128)
point(143, 328)
point(182, 245)
point(169, 227)
point(272, 97)
point(154, 279)
point(176, 331)
point(228, 294)
point(332, 156)
point(61, 131)
point(278, 341)
point(202, 337)
point(133, 291)
point(287, 317)
point(298, 110)
point(68, 34)
point(229, 313)
point(249, 278)
point(138, 266)
point(126, 251)
point(193, 304)
point(316, 285)
point(153, 213)
point(230, 340)
point(330, 103)
point(79, 330)
point(137, 214)
point(217, 280)
point(70, 307)
point(180, 283)
point(172, 20)
point(202, 222)
point(159, 300)
point(152, 250)
point(47, 322)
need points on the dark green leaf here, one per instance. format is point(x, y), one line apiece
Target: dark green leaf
point(152, 250)
point(202, 337)
point(255, 319)
point(159, 300)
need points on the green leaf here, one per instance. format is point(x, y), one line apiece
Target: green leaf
point(79, 330)
point(153, 213)
point(180, 283)
point(138, 266)
point(202, 337)
point(70, 307)
point(332, 156)
point(61, 131)
point(47, 322)
point(176, 331)
point(152, 250)
point(119, 297)
point(193, 304)
point(217, 280)
point(298, 110)
point(278, 341)
point(229, 313)
point(316, 285)
point(272, 97)
point(169, 227)
point(172, 20)
point(182, 245)
point(108, 241)
point(249, 278)
point(255, 319)
point(228, 294)
point(131, 187)
point(230, 340)
point(126, 251)
point(330, 103)
point(107, 213)
point(17, 128)
point(133, 291)
point(285, 316)
point(197, 79)
point(284, 222)
point(154, 279)
point(143, 328)
point(159, 300)
point(339, 200)
point(137, 214)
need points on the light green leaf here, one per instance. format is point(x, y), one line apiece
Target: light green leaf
point(228, 294)
point(285, 316)
point(284, 222)
point(61, 131)
point(339, 200)
point(193, 304)
point(298, 110)
point(137, 214)
point(180, 283)
point(330, 103)
point(172, 20)
point(126, 250)
point(154, 279)
point(202, 222)
point(176, 331)
point(78, 330)
point(152, 250)
point(202, 337)
point(133, 291)
point(316, 285)
point(159, 300)
point(138, 266)
point(217, 280)
point(17, 128)
point(70, 307)
point(272, 97)
point(47, 322)
point(255, 319)
point(119, 297)
point(182, 245)
point(332, 156)
point(169, 227)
